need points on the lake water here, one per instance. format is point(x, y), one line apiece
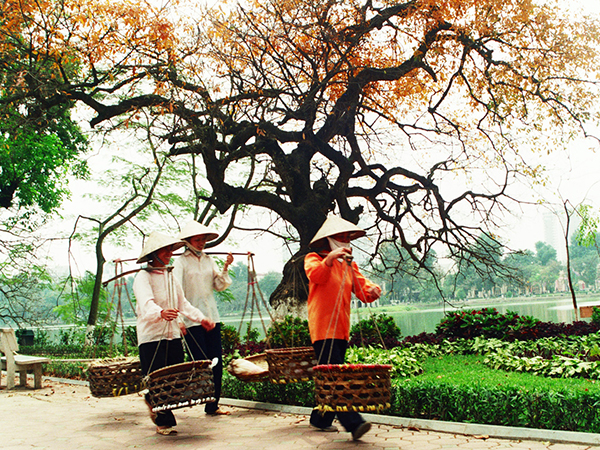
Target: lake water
point(424, 318)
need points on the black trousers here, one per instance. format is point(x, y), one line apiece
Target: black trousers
point(158, 354)
point(207, 345)
point(333, 351)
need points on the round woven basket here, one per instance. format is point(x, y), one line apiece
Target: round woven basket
point(291, 365)
point(180, 385)
point(114, 377)
point(352, 387)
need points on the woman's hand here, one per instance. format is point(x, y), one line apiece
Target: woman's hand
point(169, 314)
point(374, 292)
point(228, 262)
point(341, 252)
point(207, 324)
point(182, 328)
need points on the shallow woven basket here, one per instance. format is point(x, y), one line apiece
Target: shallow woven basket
point(352, 387)
point(116, 376)
point(260, 360)
point(180, 385)
point(291, 365)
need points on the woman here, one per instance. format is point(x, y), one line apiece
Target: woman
point(159, 301)
point(333, 277)
point(199, 276)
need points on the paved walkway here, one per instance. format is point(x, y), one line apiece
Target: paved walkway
point(64, 416)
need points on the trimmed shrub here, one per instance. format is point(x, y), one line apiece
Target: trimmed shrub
point(378, 330)
point(489, 323)
point(298, 394)
point(290, 332)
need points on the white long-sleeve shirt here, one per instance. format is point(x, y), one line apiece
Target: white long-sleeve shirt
point(200, 276)
point(154, 291)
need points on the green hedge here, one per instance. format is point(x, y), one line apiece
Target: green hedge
point(297, 394)
point(503, 405)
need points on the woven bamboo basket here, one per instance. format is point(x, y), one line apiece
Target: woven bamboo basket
point(115, 377)
point(291, 365)
point(181, 385)
point(260, 370)
point(352, 387)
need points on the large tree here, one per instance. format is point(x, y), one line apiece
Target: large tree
point(39, 140)
point(40, 146)
point(413, 116)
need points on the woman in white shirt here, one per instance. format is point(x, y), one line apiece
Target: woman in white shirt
point(199, 276)
point(159, 301)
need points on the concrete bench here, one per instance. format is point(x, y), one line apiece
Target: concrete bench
point(13, 362)
point(24, 363)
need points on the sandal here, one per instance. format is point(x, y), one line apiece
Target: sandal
point(166, 431)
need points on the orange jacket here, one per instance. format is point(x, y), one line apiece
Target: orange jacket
point(328, 300)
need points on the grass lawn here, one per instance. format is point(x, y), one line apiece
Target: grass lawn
point(467, 370)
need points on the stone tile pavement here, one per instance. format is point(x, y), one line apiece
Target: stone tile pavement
point(65, 416)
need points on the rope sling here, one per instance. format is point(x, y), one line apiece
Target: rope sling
point(113, 377)
point(277, 365)
point(350, 387)
point(176, 386)
point(180, 385)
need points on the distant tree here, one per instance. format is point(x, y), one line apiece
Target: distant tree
point(525, 264)
point(238, 288)
point(269, 282)
point(547, 275)
point(76, 300)
point(585, 258)
point(481, 274)
point(544, 253)
point(404, 278)
point(22, 298)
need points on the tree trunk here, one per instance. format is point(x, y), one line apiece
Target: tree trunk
point(569, 277)
point(93, 316)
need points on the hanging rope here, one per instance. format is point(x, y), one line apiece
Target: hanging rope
point(351, 387)
point(116, 294)
point(338, 307)
point(354, 283)
point(251, 298)
point(122, 375)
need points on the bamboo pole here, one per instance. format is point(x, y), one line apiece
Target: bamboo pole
point(129, 272)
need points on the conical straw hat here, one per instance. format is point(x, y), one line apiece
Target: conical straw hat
point(194, 228)
point(335, 225)
point(155, 242)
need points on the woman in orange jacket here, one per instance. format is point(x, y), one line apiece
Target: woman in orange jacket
point(333, 277)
